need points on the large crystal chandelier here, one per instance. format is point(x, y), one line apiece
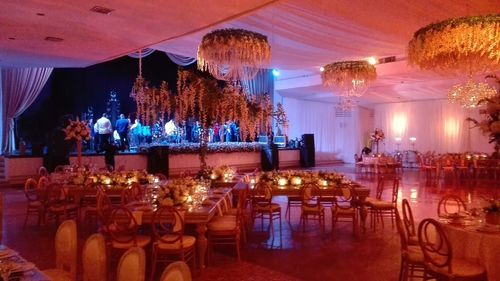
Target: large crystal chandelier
point(470, 93)
point(464, 46)
point(233, 54)
point(351, 77)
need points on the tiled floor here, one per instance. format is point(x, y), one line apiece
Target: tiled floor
point(308, 255)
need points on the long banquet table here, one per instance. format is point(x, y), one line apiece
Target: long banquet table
point(290, 190)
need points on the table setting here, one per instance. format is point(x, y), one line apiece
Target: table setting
point(13, 267)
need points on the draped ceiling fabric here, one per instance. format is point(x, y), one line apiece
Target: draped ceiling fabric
point(180, 60)
point(262, 83)
point(437, 125)
point(20, 87)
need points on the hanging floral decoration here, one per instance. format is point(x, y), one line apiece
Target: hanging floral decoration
point(77, 130)
point(463, 45)
point(233, 54)
point(281, 119)
point(202, 98)
point(152, 103)
point(352, 77)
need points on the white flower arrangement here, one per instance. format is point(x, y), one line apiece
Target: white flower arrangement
point(77, 130)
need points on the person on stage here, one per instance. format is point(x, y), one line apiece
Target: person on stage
point(103, 131)
point(216, 130)
point(171, 131)
point(196, 132)
point(136, 132)
point(227, 131)
point(122, 127)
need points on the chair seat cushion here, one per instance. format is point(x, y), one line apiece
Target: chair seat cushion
point(57, 274)
point(141, 241)
point(382, 205)
point(187, 242)
point(224, 223)
point(231, 212)
point(412, 240)
point(312, 208)
point(415, 255)
point(341, 211)
point(273, 207)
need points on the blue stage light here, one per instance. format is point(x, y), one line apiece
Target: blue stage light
point(276, 73)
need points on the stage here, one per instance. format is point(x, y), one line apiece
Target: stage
point(20, 167)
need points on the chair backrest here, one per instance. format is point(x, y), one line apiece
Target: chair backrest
point(434, 244)
point(402, 234)
point(59, 168)
point(122, 226)
point(346, 199)
point(395, 190)
point(380, 187)
point(66, 248)
point(30, 190)
point(104, 207)
point(310, 194)
point(262, 193)
point(42, 172)
point(55, 194)
point(168, 225)
point(408, 220)
point(451, 204)
point(43, 182)
point(176, 271)
point(132, 265)
point(134, 193)
point(94, 259)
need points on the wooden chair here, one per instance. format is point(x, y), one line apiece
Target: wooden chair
point(104, 209)
point(43, 182)
point(169, 238)
point(88, 205)
point(226, 230)
point(132, 265)
point(42, 172)
point(176, 271)
point(94, 259)
point(438, 255)
point(57, 203)
point(311, 206)
point(412, 259)
point(35, 204)
point(66, 253)
point(133, 194)
point(241, 211)
point(264, 208)
point(123, 230)
point(344, 209)
point(409, 223)
point(380, 208)
point(450, 205)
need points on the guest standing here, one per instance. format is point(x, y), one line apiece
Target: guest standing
point(216, 132)
point(103, 131)
point(136, 131)
point(122, 126)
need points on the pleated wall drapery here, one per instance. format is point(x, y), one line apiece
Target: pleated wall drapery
point(262, 83)
point(19, 89)
point(437, 126)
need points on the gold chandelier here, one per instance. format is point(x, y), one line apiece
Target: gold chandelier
point(470, 93)
point(233, 54)
point(351, 77)
point(463, 45)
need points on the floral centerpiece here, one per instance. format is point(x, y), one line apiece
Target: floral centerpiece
point(298, 178)
point(78, 131)
point(177, 191)
point(377, 136)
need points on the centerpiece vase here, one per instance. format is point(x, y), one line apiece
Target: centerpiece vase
point(79, 152)
point(493, 218)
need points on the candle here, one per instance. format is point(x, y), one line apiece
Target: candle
point(282, 181)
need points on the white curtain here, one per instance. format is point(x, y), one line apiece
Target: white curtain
point(337, 136)
point(180, 60)
point(20, 87)
point(437, 126)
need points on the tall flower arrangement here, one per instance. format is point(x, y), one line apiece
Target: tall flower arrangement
point(151, 103)
point(77, 131)
point(377, 136)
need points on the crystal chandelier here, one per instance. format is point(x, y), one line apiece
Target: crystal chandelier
point(461, 46)
point(470, 93)
point(233, 55)
point(351, 77)
point(345, 104)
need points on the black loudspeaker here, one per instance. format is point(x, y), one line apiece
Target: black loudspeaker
point(307, 151)
point(270, 157)
point(158, 160)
